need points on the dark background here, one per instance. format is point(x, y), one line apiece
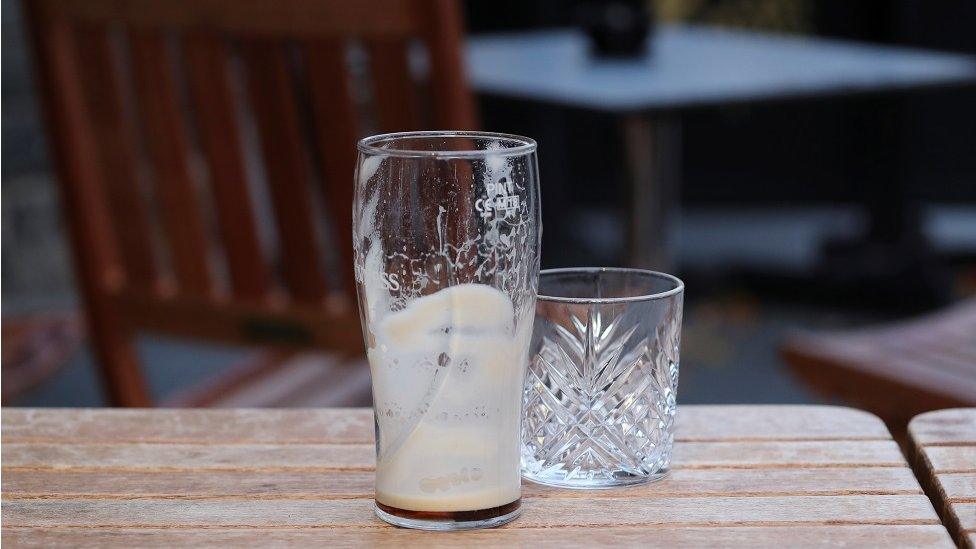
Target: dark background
point(766, 188)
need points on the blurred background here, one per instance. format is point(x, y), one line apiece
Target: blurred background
point(807, 167)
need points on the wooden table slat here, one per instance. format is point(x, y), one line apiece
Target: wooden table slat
point(245, 426)
point(966, 516)
point(698, 423)
point(359, 484)
point(947, 427)
point(945, 458)
point(958, 487)
point(890, 537)
point(622, 511)
point(318, 457)
point(955, 459)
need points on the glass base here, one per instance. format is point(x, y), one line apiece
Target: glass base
point(450, 520)
point(619, 480)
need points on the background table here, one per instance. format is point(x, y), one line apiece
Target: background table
point(685, 67)
point(743, 476)
point(945, 446)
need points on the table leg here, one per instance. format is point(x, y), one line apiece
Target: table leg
point(653, 148)
point(893, 263)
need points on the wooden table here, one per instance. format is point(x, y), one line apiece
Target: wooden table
point(743, 476)
point(945, 458)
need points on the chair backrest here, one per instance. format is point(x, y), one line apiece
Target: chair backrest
point(206, 150)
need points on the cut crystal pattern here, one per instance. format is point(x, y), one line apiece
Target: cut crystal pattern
point(599, 399)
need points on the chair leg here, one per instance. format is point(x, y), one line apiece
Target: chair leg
point(117, 362)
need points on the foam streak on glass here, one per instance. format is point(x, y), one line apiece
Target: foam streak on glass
point(446, 235)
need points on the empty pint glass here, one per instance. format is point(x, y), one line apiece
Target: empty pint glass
point(446, 233)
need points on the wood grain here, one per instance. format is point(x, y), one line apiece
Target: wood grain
point(594, 512)
point(966, 515)
point(959, 486)
point(778, 422)
point(101, 483)
point(772, 476)
point(944, 443)
point(695, 423)
point(888, 536)
point(945, 428)
point(320, 426)
point(181, 457)
point(314, 457)
point(749, 454)
point(951, 459)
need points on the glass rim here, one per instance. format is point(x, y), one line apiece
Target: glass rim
point(679, 286)
point(524, 145)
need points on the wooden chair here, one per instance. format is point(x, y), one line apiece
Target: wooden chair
point(150, 105)
point(896, 371)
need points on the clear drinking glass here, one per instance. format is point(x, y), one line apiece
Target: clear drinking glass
point(599, 398)
point(446, 230)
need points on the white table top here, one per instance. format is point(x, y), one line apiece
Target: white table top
point(699, 66)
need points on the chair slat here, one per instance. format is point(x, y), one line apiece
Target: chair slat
point(453, 105)
point(393, 88)
point(275, 109)
point(338, 129)
point(78, 175)
point(206, 60)
point(113, 137)
point(166, 142)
